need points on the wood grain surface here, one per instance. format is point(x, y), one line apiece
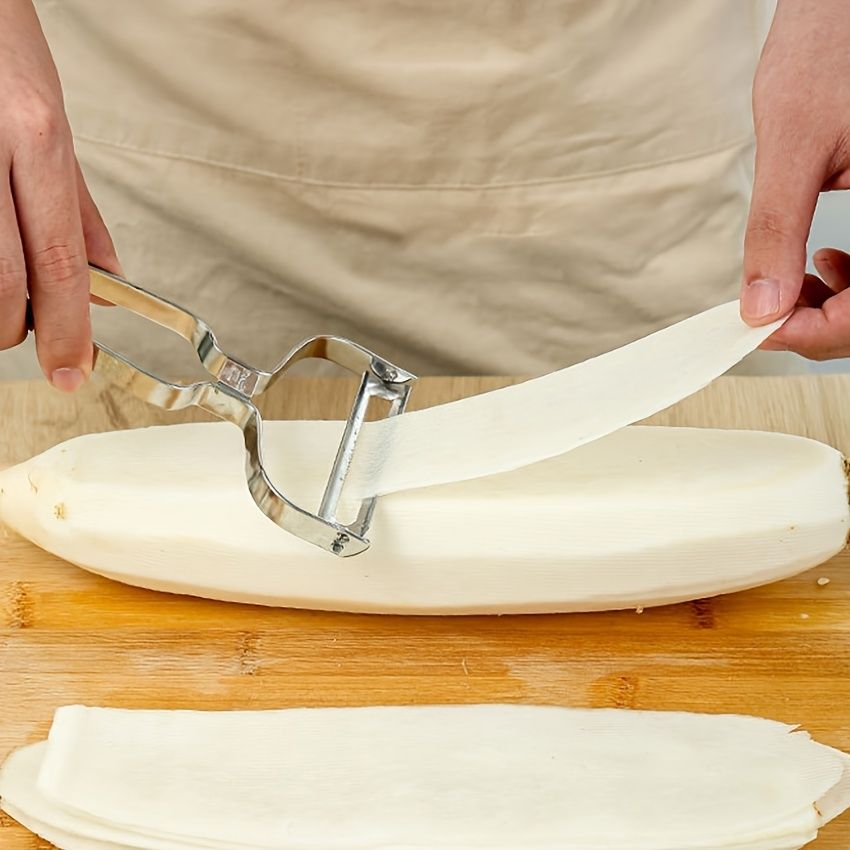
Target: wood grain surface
point(66, 636)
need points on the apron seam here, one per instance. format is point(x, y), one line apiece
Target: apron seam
point(299, 179)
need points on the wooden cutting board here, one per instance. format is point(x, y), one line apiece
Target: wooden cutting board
point(69, 637)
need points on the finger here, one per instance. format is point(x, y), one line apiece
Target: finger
point(818, 333)
point(771, 345)
point(44, 183)
point(100, 248)
point(834, 267)
point(13, 274)
point(814, 292)
point(788, 179)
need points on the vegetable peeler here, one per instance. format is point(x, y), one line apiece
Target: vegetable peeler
point(230, 395)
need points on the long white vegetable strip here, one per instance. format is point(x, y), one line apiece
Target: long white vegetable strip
point(63, 827)
point(22, 801)
point(452, 777)
point(643, 517)
point(510, 428)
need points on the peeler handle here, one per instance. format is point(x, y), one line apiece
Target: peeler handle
point(230, 393)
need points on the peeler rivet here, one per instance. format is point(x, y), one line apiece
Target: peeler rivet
point(339, 544)
point(385, 372)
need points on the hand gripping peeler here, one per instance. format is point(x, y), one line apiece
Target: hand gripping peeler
point(230, 395)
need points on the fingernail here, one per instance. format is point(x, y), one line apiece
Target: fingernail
point(67, 380)
point(761, 299)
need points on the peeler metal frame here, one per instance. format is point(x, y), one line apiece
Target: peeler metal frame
point(230, 393)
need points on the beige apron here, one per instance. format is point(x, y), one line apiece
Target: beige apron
point(487, 186)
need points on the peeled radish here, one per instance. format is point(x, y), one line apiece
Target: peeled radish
point(645, 516)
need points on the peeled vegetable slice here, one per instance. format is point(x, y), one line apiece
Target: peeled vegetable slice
point(645, 516)
point(454, 777)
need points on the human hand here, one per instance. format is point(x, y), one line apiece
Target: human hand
point(801, 106)
point(49, 225)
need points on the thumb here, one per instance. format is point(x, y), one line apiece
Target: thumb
point(785, 194)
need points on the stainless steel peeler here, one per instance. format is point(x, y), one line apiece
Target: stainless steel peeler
point(230, 393)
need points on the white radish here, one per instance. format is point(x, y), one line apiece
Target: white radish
point(645, 516)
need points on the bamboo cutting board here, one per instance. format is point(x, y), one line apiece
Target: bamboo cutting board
point(67, 636)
